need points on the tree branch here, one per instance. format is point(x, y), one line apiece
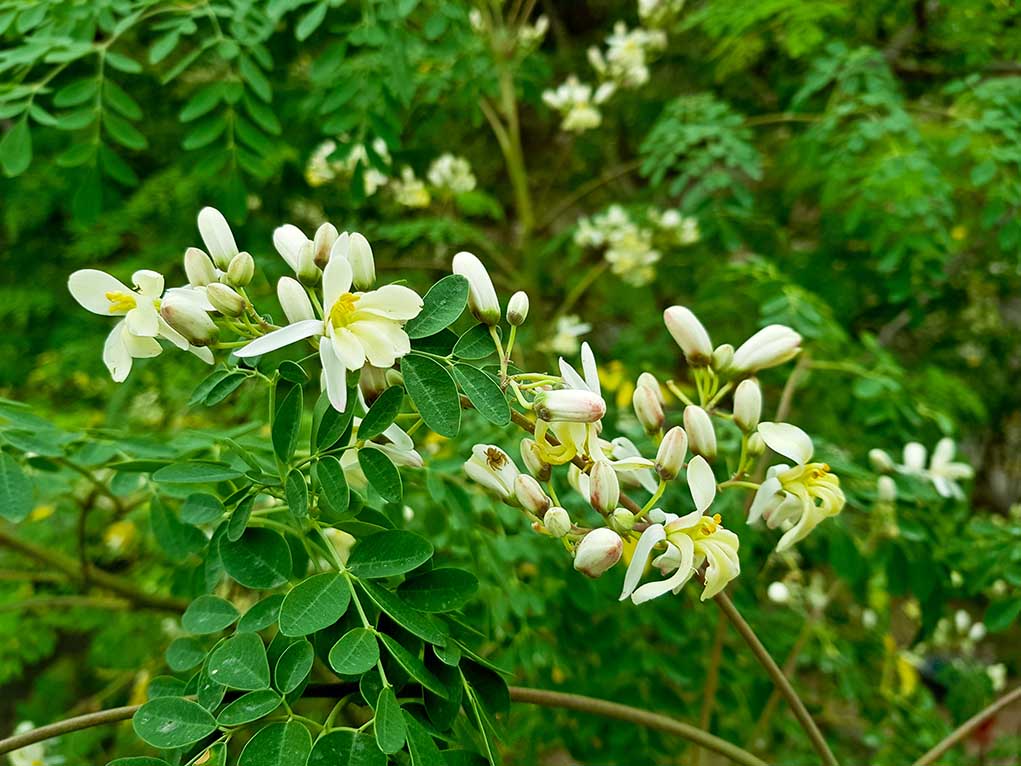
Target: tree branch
point(968, 727)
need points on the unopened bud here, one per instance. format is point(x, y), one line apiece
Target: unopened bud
point(670, 456)
point(189, 319)
point(701, 436)
point(533, 461)
point(217, 236)
point(363, 265)
point(530, 494)
point(241, 269)
point(748, 405)
point(482, 298)
point(394, 378)
point(226, 300)
point(690, 335)
point(604, 487)
point(648, 409)
point(881, 461)
point(756, 446)
point(723, 358)
point(648, 380)
point(517, 308)
point(372, 383)
point(557, 521)
point(198, 268)
point(322, 244)
point(598, 551)
point(308, 273)
point(623, 520)
point(569, 406)
point(768, 347)
point(294, 300)
point(886, 489)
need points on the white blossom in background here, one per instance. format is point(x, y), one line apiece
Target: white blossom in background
point(942, 470)
point(451, 174)
point(30, 755)
point(409, 190)
point(657, 13)
point(679, 229)
point(625, 62)
point(530, 35)
point(322, 167)
point(566, 333)
point(578, 104)
point(997, 675)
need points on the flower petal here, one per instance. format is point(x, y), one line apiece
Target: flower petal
point(336, 376)
point(684, 572)
point(571, 376)
point(652, 535)
point(701, 483)
point(285, 336)
point(348, 348)
point(787, 440)
point(143, 319)
point(90, 286)
point(217, 236)
point(588, 366)
point(288, 240)
point(202, 352)
point(766, 496)
point(168, 332)
point(149, 283)
point(382, 340)
point(336, 281)
point(140, 346)
point(391, 302)
point(115, 354)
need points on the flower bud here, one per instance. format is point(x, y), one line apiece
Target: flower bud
point(648, 409)
point(294, 300)
point(307, 271)
point(723, 357)
point(978, 632)
point(322, 244)
point(557, 521)
point(748, 405)
point(701, 436)
point(670, 456)
point(778, 593)
point(482, 298)
point(198, 268)
point(881, 461)
point(394, 378)
point(756, 446)
point(517, 308)
point(648, 380)
point(598, 551)
point(768, 347)
point(189, 319)
point(241, 269)
point(363, 265)
point(568, 405)
point(533, 461)
point(604, 487)
point(623, 520)
point(225, 300)
point(886, 489)
point(530, 494)
point(372, 382)
point(690, 335)
point(217, 236)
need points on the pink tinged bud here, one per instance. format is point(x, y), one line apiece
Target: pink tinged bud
point(225, 300)
point(517, 309)
point(198, 268)
point(569, 406)
point(598, 551)
point(648, 409)
point(308, 273)
point(648, 380)
point(701, 436)
point(768, 347)
point(604, 487)
point(241, 269)
point(322, 244)
point(747, 405)
point(294, 300)
point(217, 236)
point(690, 335)
point(533, 461)
point(530, 495)
point(557, 522)
point(191, 321)
point(482, 298)
point(363, 265)
point(672, 450)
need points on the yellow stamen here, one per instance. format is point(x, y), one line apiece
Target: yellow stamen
point(121, 303)
point(343, 310)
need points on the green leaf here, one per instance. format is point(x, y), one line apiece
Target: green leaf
point(169, 722)
point(484, 392)
point(208, 614)
point(240, 662)
point(176, 538)
point(279, 744)
point(196, 472)
point(123, 132)
point(239, 518)
point(346, 748)
point(259, 559)
point(420, 744)
point(224, 388)
point(262, 615)
point(389, 553)
point(286, 424)
point(292, 371)
point(332, 424)
point(310, 22)
point(388, 723)
point(16, 148)
point(314, 604)
point(249, 707)
point(1001, 614)
point(122, 63)
point(201, 508)
point(296, 492)
point(15, 490)
point(425, 627)
point(434, 393)
point(184, 654)
point(381, 473)
point(382, 413)
point(441, 307)
point(138, 760)
point(77, 92)
point(413, 664)
point(476, 343)
point(294, 666)
point(439, 590)
point(355, 653)
point(333, 489)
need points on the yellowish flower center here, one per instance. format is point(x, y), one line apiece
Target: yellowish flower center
point(342, 312)
point(709, 524)
point(121, 303)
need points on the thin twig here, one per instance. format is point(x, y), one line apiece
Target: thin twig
point(48, 602)
point(789, 666)
point(712, 683)
point(968, 727)
point(588, 188)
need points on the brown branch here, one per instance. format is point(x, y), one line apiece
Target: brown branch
point(49, 602)
point(968, 727)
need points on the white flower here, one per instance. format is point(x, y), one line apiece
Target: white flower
point(134, 337)
point(943, 471)
point(566, 331)
point(358, 328)
point(778, 593)
point(491, 467)
point(577, 104)
point(451, 174)
point(30, 755)
point(532, 34)
point(997, 676)
point(320, 169)
point(394, 442)
point(625, 61)
point(801, 496)
point(409, 190)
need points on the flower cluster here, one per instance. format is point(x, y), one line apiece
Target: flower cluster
point(631, 249)
point(578, 103)
point(942, 470)
point(323, 167)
